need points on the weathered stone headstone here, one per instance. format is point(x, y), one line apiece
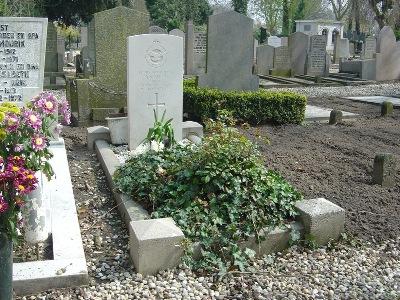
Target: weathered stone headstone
point(51, 63)
point(284, 41)
point(155, 82)
point(387, 55)
point(91, 45)
point(61, 52)
point(22, 44)
point(386, 109)
point(157, 30)
point(195, 50)
point(384, 170)
point(298, 47)
point(229, 53)
point(336, 50)
point(274, 41)
point(344, 48)
point(108, 89)
point(317, 62)
point(84, 36)
point(282, 58)
point(335, 117)
point(265, 59)
point(369, 48)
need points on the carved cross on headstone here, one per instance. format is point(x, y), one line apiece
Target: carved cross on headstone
point(156, 105)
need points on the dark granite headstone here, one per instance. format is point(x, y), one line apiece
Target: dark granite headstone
point(263, 35)
point(230, 53)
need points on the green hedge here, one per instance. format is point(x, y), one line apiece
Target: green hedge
point(252, 107)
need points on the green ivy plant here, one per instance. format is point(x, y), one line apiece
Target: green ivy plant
point(218, 192)
point(161, 132)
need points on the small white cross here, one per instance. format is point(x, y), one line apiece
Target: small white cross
point(156, 105)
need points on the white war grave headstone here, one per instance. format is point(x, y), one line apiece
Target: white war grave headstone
point(22, 54)
point(155, 82)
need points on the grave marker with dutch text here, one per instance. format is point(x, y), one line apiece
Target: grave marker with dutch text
point(22, 55)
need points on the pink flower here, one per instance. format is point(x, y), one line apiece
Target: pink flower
point(48, 104)
point(19, 147)
point(19, 201)
point(33, 119)
point(58, 128)
point(38, 141)
point(3, 205)
point(12, 122)
point(64, 106)
point(67, 116)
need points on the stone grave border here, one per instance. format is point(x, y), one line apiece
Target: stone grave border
point(320, 217)
point(68, 268)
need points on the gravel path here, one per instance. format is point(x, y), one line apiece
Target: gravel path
point(347, 270)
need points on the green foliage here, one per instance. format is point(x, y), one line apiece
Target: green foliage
point(397, 34)
point(218, 192)
point(173, 14)
point(72, 12)
point(252, 107)
point(161, 132)
point(285, 18)
point(240, 6)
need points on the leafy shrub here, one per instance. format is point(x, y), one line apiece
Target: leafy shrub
point(218, 192)
point(252, 107)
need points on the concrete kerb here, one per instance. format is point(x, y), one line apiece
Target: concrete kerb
point(321, 212)
point(68, 268)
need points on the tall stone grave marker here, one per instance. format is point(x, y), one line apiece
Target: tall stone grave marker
point(180, 33)
point(155, 82)
point(369, 48)
point(265, 59)
point(298, 47)
point(229, 53)
point(22, 52)
point(282, 60)
point(317, 62)
point(61, 52)
point(387, 55)
point(51, 63)
point(84, 36)
point(274, 41)
point(344, 48)
point(96, 97)
point(195, 50)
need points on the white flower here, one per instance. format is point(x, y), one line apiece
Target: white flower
point(156, 146)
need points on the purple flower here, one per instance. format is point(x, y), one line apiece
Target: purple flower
point(67, 116)
point(3, 205)
point(12, 122)
point(48, 104)
point(58, 128)
point(19, 147)
point(33, 119)
point(38, 141)
point(64, 106)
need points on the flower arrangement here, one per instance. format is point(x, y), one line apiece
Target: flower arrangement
point(25, 134)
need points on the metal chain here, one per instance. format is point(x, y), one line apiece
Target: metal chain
point(106, 90)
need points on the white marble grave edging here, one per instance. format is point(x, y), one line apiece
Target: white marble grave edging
point(376, 100)
point(316, 113)
point(69, 256)
point(321, 218)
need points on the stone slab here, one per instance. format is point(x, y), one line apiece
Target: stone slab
point(315, 113)
point(322, 219)
point(33, 277)
point(155, 245)
point(377, 100)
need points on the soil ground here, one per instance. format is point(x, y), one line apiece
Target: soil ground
point(334, 162)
